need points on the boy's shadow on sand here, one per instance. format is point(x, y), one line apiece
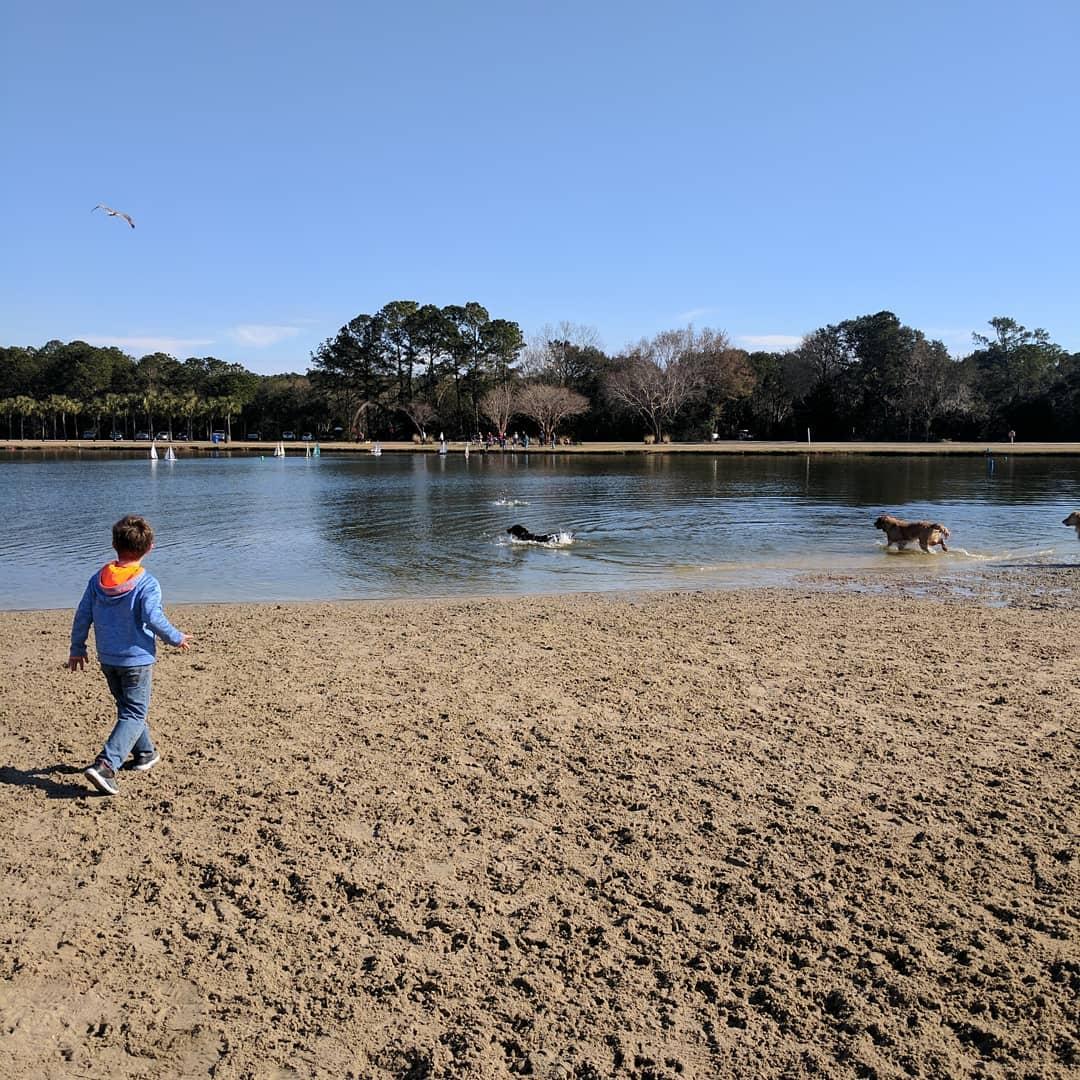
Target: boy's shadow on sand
point(39, 778)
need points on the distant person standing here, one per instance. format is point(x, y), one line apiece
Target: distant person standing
point(1012, 436)
point(123, 603)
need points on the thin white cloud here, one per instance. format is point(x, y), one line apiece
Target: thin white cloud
point(696, 313)
point(770, 341)
point(258, 336)
point(174, 346)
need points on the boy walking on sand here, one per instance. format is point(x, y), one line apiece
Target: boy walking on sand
point(123, 602)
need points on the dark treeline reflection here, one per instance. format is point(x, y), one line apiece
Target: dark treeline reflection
point(417, 371)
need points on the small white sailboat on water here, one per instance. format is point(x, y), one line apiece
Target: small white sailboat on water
point(153, 452)
point(376, 449)
point(170, 454)
point(279, 450)
point(442, 446)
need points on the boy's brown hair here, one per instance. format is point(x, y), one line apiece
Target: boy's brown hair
point(132, 537)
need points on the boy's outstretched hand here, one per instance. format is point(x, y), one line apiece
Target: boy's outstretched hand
point(185, 642)
point(76, 663)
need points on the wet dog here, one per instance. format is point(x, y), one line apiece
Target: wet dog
point(901, 533)
point(519, 532)
point(1074, 520)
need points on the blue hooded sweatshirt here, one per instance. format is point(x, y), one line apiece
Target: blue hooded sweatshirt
point(125, 609)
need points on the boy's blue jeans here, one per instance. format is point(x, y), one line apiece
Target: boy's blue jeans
point(131, 688)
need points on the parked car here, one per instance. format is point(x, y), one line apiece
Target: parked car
point(337, 433)
point(142, 436)
point(164, 436)
point(306, 437)
point(288, 435)
point(253, 436)
point(180, 436)
point(117, 436)
point(219, 436)
point(89, 434)
point(744, 434)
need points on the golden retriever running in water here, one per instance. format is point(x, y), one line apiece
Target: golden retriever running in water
point(901, 533)
point(1074, 520)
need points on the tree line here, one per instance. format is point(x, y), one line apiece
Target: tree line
point(412, 369)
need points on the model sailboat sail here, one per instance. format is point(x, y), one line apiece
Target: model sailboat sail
point(153, 452)
point(279, 450)
point(170, 454)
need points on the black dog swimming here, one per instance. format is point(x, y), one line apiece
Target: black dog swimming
point(519, 532)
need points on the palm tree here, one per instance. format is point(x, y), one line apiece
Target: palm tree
point(170, 406)
point(224, 407)
point(37, 411)
point(148, 402)
point(68, 405)
point(208, 408)
point(52, 406)
point(7, 406)
point(115, 405)
point(188, 406)
point(231, 403)
point(24, 406)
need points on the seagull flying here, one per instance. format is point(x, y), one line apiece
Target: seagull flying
point(114, 213)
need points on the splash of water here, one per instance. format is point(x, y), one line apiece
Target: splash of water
point(559, 539)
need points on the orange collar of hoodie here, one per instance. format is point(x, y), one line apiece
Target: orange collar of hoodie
point(115, 577)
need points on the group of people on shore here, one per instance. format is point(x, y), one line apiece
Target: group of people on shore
point(489, 440)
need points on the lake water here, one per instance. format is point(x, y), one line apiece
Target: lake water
point(403, 525)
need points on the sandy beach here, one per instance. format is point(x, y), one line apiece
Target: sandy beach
point(778, 833)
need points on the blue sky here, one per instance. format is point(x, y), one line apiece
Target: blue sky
point(764, 168)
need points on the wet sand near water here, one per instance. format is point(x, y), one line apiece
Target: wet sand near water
point(778, 833)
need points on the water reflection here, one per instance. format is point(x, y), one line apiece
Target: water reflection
point(407, 525)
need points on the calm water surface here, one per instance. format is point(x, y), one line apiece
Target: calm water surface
point(402, 525)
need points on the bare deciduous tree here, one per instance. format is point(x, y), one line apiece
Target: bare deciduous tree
point(724, 373)
point(661, 375)
point(549, 406)
point(420, 413)
point(499, 404)
point(545, 353)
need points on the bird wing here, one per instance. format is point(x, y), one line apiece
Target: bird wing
point(114, 213)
